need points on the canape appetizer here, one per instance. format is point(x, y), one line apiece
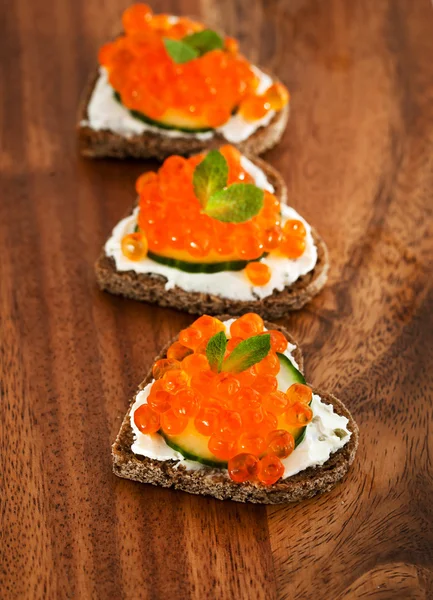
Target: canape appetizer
point(211, 233)
point(170, 85)
point(226, 411)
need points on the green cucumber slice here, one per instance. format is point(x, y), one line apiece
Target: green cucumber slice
point(194, 446)
point(142, 117)
point(288, 374)
point(190, 267)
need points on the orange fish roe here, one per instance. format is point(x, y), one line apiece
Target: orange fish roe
point(202, 92)
point(134, 246)
point(242, 416)
point(258, 273)
point(172, 224)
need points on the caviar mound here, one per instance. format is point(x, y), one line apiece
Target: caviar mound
point(234, 413)
point(177, 231)
point(194, 95)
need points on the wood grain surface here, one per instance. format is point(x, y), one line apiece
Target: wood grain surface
point(357, 157)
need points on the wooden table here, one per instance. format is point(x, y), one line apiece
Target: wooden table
point(357, 157)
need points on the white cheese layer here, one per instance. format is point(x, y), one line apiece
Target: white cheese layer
point(104, 112)
point(319, 443)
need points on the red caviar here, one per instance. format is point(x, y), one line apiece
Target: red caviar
point(203, 91)
point(242, 416)
point(172, 223)
point(243, 467)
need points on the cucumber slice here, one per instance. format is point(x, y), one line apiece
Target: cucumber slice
point(288, 373)
point(192, 267)
point(142, 117)
point(287, 376)
point(193, 446)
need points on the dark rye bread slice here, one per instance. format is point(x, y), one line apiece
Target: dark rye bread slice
point(106, 143)
point(151, 287)
point(216, 482)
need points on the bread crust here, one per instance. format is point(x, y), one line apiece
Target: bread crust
point(216, 482)
point(106, 143)
point(151, 287)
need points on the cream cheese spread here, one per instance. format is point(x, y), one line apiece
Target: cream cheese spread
point(104, 112)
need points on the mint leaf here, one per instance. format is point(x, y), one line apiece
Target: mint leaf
point(235, 204)
point(204, 41)
point(215, 350)
point(179, 51)
point(247, 353)
point(210, 176)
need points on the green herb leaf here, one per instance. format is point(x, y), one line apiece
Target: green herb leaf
point(204, 41)
point(247, 353)
point(235, 204)
point(210, 176)
point(179, 51)
point(215, 350)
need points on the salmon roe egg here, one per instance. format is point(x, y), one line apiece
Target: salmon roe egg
point(186, 403)
point(252, 418)
point(144, 180)
point(299, 392)
point(190, 337)
point(276, 402)
point(222, 449)
point(178, 351)
point(226, 385)
point(243, 467)
point(173, 423)
point(134, 246)
point(208, 326)
point(277, 96)
point(269, 423)
point(163, 365)
point(278, 341)
point(254, 107)
point(246, 326)
point(292, 246)
point(270, 365)
point(207, 419)
point(270, 469)
point(230, 425)
point(203, 382)
point(146, 420)
point(258, 273)
point(136, 18)
point(265, 384)
point(159, 398)
point(252, 443)
point(247, 398)
point(298, 415)
point(194, 363)
point(175, 379)
point(294, 227)
point(280, 442)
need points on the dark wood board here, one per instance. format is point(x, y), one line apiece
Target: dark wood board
point(357, 157)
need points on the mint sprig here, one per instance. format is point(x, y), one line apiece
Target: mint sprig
point(179, 51)
point(235, 204)
point(215, 350)
point(204, 41)
point(193, 45)
point(210, 176)
point(247, 353)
